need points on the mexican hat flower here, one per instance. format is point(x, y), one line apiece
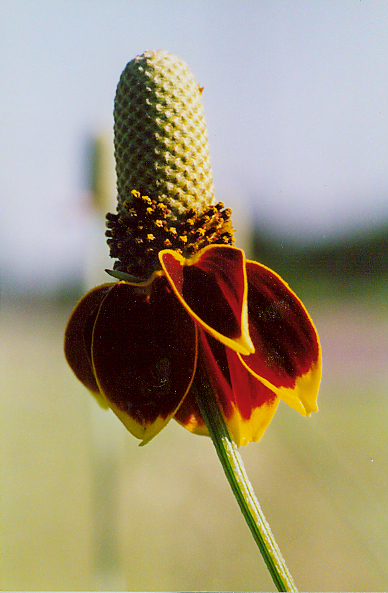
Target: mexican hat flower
point(187, 311)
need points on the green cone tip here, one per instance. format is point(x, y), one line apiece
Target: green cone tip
point(161, 143)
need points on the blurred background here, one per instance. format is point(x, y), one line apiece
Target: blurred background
point(295, 97)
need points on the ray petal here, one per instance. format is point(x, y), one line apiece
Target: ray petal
point(78, 338)
point(247, 404)
point(144, 355)
point(287, 355)
point(212, 287)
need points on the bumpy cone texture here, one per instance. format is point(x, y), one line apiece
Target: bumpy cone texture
point(161, 143)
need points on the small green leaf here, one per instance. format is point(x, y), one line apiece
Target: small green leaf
point(125, 277)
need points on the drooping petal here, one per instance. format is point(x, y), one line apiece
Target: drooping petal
point(144, 354)
point(189, 415)
point(247, 404)
point(212, 287)
point(78, 339)
point(287, 355)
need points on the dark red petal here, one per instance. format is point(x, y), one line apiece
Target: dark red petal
point(144, 354)
point(247, 404)
point(78, 336)
point(189, 416)
point(287, 352)
point(212, 287)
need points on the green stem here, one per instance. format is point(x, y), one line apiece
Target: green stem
point(242, 488)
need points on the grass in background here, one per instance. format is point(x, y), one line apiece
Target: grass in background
point(84, 508)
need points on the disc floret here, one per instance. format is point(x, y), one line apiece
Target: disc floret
point(143, 227)
point(164, 179)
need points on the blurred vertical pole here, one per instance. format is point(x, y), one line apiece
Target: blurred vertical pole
point(105, 433)
point(102, 196)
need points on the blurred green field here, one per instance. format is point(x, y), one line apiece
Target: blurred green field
point(84, 508)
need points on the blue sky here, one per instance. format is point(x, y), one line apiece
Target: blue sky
point(296, 100)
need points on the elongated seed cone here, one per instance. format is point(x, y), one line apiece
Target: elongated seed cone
point(161, 143)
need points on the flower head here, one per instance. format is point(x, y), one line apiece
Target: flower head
point(188, 308)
